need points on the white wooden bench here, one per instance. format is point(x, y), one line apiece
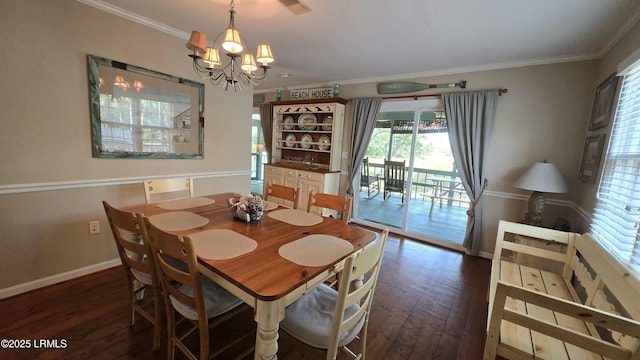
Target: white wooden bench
point(559, 295)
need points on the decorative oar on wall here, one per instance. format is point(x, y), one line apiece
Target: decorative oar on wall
point(401, 87)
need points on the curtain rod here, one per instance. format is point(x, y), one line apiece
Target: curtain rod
point(415, 97)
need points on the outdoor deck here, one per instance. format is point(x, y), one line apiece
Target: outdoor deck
point(447, 222)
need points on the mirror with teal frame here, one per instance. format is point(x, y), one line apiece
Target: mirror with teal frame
point(144, 114)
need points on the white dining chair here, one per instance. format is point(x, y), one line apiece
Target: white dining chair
point(328, 319)
point(163, 189)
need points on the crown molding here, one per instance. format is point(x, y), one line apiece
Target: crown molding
point(126, 14)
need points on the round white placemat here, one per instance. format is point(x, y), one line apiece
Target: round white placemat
point(296, 217)
point(221, 244)
point(178, 220)
point(180, 204)
point(271, 205)
point(315, 250)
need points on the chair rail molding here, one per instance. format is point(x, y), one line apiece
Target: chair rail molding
point(584, 214)
point(78, 184)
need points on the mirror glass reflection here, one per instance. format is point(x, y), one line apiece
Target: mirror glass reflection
point(140, 113)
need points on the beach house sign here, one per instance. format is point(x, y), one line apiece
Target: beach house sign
point(303, 94)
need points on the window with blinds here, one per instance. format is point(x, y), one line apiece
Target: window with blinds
point(616, 218)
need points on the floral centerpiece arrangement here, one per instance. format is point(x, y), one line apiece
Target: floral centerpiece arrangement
point(247, 208)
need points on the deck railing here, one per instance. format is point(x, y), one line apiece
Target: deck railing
point(423, 183)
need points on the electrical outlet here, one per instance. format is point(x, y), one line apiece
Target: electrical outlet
point(94, 227)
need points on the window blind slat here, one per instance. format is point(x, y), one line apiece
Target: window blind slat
point(616, 218)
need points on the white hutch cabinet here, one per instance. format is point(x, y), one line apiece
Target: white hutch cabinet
point(307, 146)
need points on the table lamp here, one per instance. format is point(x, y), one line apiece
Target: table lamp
point(541, 178)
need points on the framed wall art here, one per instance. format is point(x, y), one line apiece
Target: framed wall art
point(144, 114)
point(591, 158)
point(603, 103)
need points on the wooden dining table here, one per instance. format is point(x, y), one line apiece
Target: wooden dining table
point(263, 278)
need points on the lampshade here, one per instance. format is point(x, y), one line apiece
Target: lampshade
point(197, 42)
point(542, 177)
point(248, 63)
point(121, 83)
point(232, 42)
point(263, 55)
point(212, 57)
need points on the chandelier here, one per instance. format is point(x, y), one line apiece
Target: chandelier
point(208, 64)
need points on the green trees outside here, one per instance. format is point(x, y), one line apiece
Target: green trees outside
point(433, 150)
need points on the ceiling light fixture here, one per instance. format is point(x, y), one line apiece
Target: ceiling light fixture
point(208, 63)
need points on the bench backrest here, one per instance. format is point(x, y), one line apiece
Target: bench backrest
point(525, 238)
point(608, 285)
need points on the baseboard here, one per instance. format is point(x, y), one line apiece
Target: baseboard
point(54, 279)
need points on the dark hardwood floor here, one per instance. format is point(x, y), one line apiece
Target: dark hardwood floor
point(430, 303)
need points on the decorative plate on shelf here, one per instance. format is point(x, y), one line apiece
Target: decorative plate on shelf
point(288, 123)
point(290, 141)
point(324, 143)
point(305, 141)
point(307, 121)
point(326, 124)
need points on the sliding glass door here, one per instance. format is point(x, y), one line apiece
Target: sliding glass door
point(432, 204)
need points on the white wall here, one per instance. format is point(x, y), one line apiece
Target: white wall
point(50, 186)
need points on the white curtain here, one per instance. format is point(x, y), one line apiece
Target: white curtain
point(470, 116)
point(365, 114)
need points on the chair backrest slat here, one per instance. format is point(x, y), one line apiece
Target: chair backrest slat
point(180, 249)
point(354, 288)
point(282, 192)
point(330, 201)
point(394, 174)
point(127, 233)
point(364, 173)
point(173, 188)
